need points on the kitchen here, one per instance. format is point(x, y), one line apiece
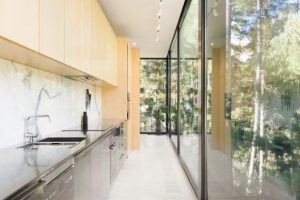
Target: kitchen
point(59, 60)
point(149, 99)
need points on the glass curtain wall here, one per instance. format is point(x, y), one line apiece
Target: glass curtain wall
point(184, 107)
point(253, 149)
point(189, 91)
point(173, 91)
point(153, 88)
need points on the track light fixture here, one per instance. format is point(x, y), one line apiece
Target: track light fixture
point(159, 14)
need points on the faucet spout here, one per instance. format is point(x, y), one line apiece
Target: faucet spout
point(36, 134)
point(38, 116)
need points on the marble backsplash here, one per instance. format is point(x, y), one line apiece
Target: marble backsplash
point(26, 91)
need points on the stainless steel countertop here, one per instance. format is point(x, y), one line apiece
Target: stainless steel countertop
point(21, 167)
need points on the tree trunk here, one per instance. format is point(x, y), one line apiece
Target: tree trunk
point(257, 91)
point(158, 126)
point(261, 134)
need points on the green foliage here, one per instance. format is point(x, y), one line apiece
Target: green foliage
point(189, 107)
point(153, 95)
point(266, 43)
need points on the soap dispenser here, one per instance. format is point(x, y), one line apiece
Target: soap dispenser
point(84, 122)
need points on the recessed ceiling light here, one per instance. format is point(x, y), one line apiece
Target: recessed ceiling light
point(134, 44)
point(212, 44)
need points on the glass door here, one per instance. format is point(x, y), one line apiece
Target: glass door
point(153, 88)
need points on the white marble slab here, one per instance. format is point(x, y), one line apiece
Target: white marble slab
point(25, 91)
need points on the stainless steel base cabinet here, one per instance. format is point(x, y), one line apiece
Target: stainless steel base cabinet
point(118, 152)
point(92, 172)
point(60, 188)
point(88, 176)
point(106, 167)
point(83, 175)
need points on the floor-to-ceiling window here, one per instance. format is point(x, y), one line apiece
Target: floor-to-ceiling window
point(189, 91)
point(153, 88)
point(254, 143)
point(184, 91)
point(174, 90)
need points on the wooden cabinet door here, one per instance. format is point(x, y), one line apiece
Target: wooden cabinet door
point(98, 41)
point(52, 29)
point(86, 29)
point(73, 34)
point(111, 51)
point(104, 47)
point(19, 22)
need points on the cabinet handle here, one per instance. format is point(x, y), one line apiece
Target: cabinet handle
point(113, 147)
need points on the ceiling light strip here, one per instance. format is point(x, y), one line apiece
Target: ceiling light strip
point(159, 15)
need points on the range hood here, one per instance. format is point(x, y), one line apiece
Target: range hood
point(84, 78)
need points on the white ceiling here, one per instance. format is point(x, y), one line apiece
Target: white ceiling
point(137, 20)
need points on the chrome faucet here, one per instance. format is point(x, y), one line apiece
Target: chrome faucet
point(36, 133)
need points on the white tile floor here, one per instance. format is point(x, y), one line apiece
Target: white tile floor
point(152, 173)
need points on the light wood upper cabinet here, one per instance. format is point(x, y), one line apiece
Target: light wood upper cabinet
point(86, 32)
point(19, 22)
point(98, 39)
point(111, 56)
point(52, 29)
point(73, 44)
point(74, 32)
point(104, 47)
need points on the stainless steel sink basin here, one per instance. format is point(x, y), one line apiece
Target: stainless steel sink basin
point(55, 141)
point(61, 139)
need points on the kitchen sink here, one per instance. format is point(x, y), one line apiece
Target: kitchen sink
point(61, 139)
point(55, 141)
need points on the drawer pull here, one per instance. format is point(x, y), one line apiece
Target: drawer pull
point(113, 147)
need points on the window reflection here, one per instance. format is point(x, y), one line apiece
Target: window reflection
point(189, 90)
point(254, 145)
point(173, 105)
